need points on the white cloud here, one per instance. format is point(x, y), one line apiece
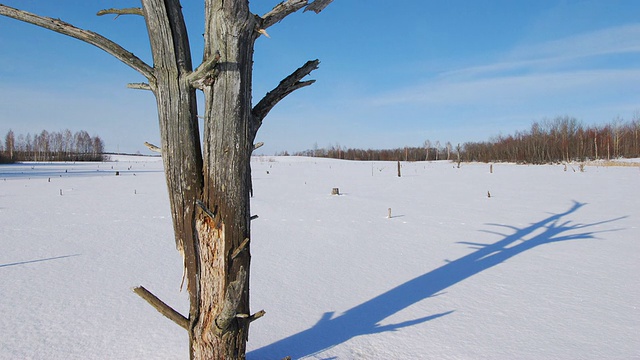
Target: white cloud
point(538, 73)
point(515, 88)
point(562, 52)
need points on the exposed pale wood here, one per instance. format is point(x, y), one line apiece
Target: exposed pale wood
point(87, 36)
point(152, 147)
point(162, 307)
point(264, 32)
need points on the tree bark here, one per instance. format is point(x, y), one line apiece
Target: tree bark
point(230, 31)
point(208, 186)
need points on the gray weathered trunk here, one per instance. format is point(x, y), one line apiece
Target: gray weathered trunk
point(230, 34)
point(208, 187)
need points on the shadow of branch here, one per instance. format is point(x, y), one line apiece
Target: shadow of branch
point(365, 318)
point(37, 260)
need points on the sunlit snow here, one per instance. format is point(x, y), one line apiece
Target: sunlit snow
point(546, 268)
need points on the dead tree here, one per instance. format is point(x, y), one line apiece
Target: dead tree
point(209, 186)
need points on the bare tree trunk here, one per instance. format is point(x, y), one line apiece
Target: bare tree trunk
point(177, 114)
point(208, 188)
point(230, 32)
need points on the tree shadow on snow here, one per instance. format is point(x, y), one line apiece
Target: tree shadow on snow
point(365, 318)
point(37, 260)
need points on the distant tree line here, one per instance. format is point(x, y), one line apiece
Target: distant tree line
point(428, 152)
point(549, 141)
point(51, 146)
point(561, 139)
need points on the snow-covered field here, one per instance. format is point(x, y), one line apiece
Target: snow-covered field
point(546, 268)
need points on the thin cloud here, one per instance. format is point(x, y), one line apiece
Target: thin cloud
point(551, 54)
point(533, 73)
point(521, 88)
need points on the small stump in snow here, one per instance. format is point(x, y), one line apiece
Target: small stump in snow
point(335, 191)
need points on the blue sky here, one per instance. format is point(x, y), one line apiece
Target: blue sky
point(392, 73)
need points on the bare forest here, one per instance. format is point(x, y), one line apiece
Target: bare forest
point(559, 140)
point(51, 146)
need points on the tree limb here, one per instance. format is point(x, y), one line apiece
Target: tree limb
point(318, 5)
point(231, 301)
point(139, 86)
point(153, 147)
point(205, 73)
point(281, 11)
point(127, 11)
point(256, 316)
point(240, 248)
point(87, 36)
point(286, 87)
point(162, 308)
point(288, 7)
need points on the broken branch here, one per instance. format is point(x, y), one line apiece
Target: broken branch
point(240, 248)
point(162, 308)
point(281, 11)
point(318, 6)
point(256, 316)
point(118, 12)
point(231, 301)
point(87, 36)
point(205, 71)
point(139, 86)
point(286, 87)
point(152, 147)
point(211, 214)
point(288, 7)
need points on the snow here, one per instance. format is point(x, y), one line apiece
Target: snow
point(547, 267)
